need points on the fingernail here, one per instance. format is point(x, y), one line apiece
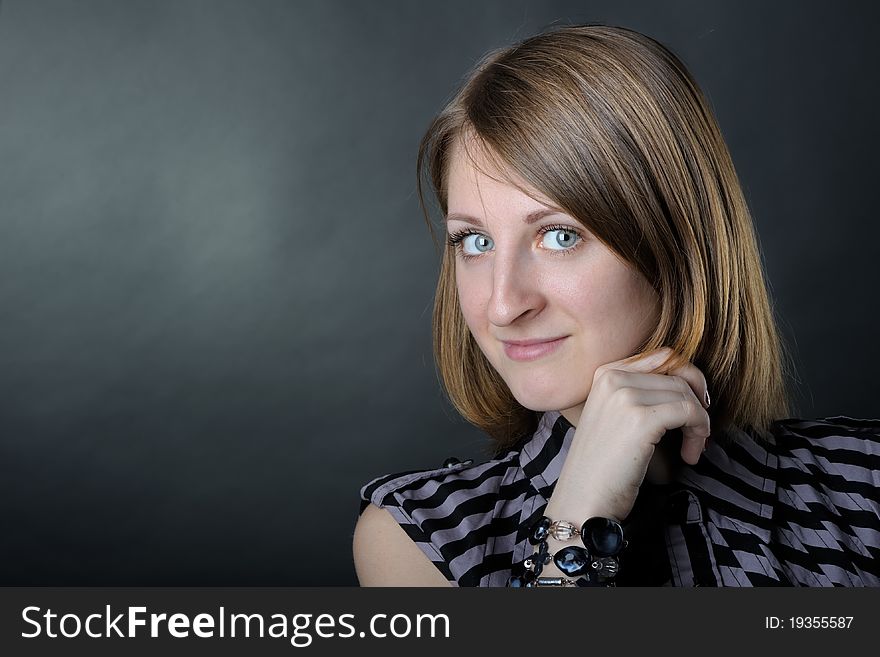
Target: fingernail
point(707, 398)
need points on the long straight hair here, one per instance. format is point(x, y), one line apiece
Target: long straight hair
point(609, 125)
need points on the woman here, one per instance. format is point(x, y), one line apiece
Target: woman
point(601, 277)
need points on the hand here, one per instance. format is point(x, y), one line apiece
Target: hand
point(631, 406)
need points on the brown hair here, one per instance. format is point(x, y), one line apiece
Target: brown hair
point(609, 125)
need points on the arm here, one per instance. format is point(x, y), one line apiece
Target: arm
point(385, 556)
point(631, 405)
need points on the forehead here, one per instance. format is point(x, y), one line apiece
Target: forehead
point(478, 183)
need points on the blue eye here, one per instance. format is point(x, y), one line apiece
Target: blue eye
point(458, 240)
point(564, 242)
point(565, 239)
point(480, 242)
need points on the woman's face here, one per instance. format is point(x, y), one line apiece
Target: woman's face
point(540, 279)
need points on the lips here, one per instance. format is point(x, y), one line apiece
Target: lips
point(526, 350)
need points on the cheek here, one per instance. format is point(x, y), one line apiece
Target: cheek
point(630, 310)
point(588, 295)
point(612, 300)
point(472, 299)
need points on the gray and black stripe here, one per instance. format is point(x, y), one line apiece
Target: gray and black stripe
point(803, 510)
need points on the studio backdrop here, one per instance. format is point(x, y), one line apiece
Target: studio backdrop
point(216, 282)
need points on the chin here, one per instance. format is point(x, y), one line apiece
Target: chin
point(552, 397)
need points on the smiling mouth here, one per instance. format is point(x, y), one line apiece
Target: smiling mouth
point(533, 351)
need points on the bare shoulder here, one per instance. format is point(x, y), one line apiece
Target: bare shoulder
point(385, 556)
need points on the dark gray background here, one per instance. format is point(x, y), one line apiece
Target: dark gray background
point(216, 283)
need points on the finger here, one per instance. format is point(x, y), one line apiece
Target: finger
point(692, 374)
point(692, 419)
point(657, 368)
point(652, 389)
point(660, 361)
point(694, 432)
point(644, 362)
point(655, 382)
point(654, 396)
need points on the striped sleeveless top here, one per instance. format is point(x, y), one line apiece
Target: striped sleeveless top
point(800, 510)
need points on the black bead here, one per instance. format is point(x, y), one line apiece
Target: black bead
point(540, 531)
point(572, 561)
point(603, 537)
point(448, 463)
point(528, 577)
point(609, 567)
point(602, 571)
point(516, 582)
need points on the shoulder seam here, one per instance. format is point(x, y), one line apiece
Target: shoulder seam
point(396, 482)
point(381, 492)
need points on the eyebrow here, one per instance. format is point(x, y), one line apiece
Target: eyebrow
point(530, 218)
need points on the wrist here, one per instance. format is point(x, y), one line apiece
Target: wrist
point(594, 564)
point(564, 505)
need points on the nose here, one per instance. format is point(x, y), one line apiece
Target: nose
point(515, 288)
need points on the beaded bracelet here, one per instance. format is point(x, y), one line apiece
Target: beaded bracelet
point(597, 565)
